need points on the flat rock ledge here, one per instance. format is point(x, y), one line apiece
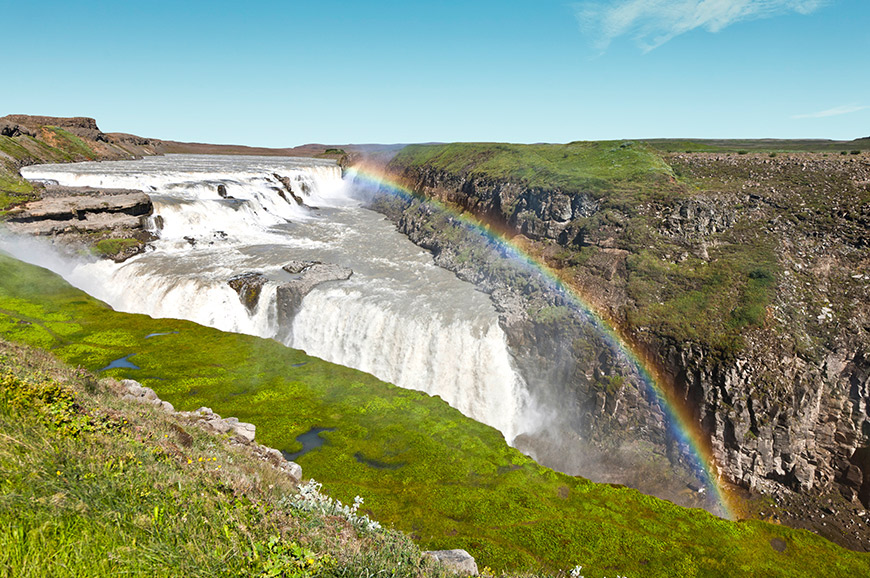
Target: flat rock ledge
point(82, 210)
point(81, 217)
point(241, 432)
point(458, 561)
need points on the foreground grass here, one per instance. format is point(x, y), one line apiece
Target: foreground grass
point(93, 486)
point(451, 482)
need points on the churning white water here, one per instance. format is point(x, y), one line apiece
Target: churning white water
point(399, 316)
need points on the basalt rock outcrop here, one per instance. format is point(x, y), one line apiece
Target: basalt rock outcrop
point(310, 274)
point(287, 189)
point(306, 276)
point(12, 129)
point(74, 217)
point(785, 403)
point(248, 286)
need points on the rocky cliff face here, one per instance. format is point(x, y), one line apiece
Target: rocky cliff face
point(784, 399)
point(32, 133)
point(598, 418)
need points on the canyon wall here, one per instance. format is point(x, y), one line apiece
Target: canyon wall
point(778, 381)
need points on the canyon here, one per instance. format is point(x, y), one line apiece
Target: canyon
point(775, 370)
point(742, 276)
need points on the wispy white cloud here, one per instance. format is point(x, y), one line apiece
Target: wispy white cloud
point(653, 22)
point(836, 111)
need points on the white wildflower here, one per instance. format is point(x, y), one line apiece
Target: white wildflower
point(309, 499)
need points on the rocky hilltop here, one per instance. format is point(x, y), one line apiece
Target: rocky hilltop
point(73, 139)
point(742, 276)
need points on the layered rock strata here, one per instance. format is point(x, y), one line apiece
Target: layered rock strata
point(83, 216)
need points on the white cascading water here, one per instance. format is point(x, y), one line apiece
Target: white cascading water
point(399, 316)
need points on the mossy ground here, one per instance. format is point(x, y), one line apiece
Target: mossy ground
point(460, 486)
point(113, 246)
point(13, 188)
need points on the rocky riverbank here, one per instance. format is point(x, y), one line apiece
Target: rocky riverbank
point(108, 222)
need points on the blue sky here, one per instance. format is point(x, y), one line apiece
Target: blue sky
point(272, 73)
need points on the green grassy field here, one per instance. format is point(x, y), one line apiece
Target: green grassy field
point(454, 483)
point(573, 167)
point(759, 145)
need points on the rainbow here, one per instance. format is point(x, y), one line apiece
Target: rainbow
point(684, 426)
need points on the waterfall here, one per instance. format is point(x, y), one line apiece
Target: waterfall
point(399, 316)
point(465, 361)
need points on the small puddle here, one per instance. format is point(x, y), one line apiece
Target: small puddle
point(150, 335)
point(299, 364)
point(122, 363)
point(376, 464)
point(310, 440)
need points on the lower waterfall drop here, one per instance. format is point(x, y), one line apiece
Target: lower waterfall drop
point(464, 361)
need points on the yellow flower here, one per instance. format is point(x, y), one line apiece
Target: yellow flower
point(59, 473)
point(190, 461)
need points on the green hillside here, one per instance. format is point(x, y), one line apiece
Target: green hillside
point(423, 468)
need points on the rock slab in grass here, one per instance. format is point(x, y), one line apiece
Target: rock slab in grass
point(458, 561)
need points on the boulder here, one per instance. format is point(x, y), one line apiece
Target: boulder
point(249, 286)
point(293, 470)
point(218, 425)
point(246, 431)
point(458, 561)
